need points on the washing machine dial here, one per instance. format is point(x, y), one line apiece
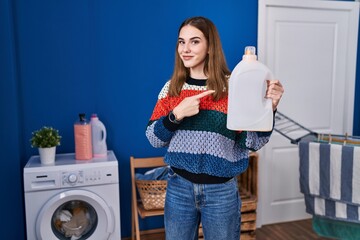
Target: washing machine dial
point(72, 178)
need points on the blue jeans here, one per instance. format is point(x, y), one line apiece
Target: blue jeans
point(216, 206)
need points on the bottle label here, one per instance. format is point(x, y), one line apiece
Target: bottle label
point(83, 143)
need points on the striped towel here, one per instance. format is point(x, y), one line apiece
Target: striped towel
point(330, 180)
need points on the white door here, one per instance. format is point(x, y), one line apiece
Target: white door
point(311, 48)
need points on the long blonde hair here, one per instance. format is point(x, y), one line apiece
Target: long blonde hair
point(215, 64)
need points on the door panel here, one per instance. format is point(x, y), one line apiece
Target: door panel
point(311, 48)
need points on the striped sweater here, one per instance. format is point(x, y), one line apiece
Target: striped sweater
point(201, 143)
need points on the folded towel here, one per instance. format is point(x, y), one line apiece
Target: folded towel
point(335, 229)
point(331, 209)
point(330, 173)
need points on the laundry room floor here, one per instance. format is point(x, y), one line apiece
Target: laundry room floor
point(297, 230)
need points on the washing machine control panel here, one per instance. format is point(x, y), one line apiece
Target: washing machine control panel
point(87, 177)
point(72, 178)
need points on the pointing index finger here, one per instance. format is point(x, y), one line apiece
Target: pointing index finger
point(203, 94)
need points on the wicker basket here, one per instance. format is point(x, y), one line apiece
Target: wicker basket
point(152, 193)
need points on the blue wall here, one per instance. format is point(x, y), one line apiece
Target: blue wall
point(59, 58)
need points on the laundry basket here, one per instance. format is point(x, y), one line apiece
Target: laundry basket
point(152, 193)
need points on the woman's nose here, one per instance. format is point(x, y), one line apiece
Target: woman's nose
point(186, 48)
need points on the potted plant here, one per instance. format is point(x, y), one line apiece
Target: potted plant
point(46, 139)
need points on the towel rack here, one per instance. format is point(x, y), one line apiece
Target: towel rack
point(296, 132)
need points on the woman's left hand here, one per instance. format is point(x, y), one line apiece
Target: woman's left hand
point(274, 91)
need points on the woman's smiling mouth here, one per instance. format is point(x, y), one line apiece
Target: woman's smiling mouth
point(186, 58)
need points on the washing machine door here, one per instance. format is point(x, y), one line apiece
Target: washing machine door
point(75, 214)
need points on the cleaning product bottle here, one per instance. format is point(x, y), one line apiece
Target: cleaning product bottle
point(98, 137)
point(248, 109)
point(83, 144)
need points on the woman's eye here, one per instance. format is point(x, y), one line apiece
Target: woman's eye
point(195, 42)
point(181, 42)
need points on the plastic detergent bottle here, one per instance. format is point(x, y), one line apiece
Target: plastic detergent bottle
point(248, 109)
point(98, 137)
point(83, 144)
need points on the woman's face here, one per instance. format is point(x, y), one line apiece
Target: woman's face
point(192, 48)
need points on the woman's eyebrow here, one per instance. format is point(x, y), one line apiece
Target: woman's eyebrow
point(193, 38)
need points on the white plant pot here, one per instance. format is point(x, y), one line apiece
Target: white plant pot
point(47, 155)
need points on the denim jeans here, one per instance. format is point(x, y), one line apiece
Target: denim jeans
point(216, 206)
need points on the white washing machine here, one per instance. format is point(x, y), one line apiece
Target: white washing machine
point(72, 199)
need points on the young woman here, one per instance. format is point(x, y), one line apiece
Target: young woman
point(205, 157)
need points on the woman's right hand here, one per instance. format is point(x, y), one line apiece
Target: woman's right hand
point(190, 105)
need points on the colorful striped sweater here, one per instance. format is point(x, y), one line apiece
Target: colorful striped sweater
point(201, 143)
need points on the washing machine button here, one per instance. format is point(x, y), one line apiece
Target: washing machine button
point(72, 178)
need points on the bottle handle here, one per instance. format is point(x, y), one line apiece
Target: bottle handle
point(103, 129)
point(267, 101)
point(264, 88)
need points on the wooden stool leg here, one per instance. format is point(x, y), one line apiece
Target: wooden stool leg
point(136, 222)
point(132, 222)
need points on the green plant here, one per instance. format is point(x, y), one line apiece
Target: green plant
point(45, 137)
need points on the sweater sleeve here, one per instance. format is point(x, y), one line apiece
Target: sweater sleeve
point(254, 140)
point(160, 129)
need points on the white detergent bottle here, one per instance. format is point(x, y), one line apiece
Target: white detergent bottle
point(98, 137)
point(248, 109)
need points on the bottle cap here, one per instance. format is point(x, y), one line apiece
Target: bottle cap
point(250, 53)
point(82, 117)
point(250, 50)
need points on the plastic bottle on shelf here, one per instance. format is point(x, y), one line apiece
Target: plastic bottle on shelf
point(248, 109)
point(98, 137)
point(83, 142)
